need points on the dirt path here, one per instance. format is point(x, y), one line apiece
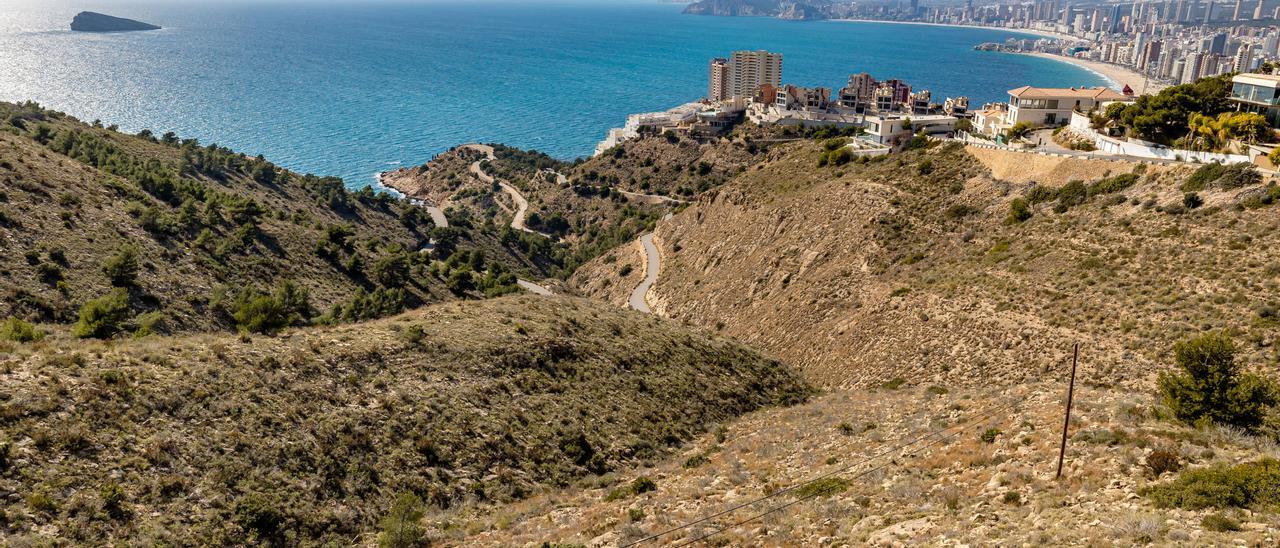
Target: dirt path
point(534, 288)
point(522, 205)
point(651, 198)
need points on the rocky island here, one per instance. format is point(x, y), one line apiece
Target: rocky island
point(88, 21)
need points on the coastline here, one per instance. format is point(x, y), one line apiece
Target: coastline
point(1118, 76)
point(1034, 32)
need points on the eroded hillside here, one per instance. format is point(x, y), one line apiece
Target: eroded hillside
point(911, 266)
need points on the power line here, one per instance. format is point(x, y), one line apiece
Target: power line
point(796, 486)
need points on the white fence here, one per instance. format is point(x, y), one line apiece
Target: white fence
point(1080, 125)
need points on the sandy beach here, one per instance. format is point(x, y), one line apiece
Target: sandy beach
point(1119, 76)
point(1116, 75)
point(1036, 32)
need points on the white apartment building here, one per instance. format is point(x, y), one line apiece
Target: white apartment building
point(718, 81)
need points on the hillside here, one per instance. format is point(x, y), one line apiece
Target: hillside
point(309, 437)
point(915, 467)
point(910, 267)
point(587, 207)
point(196, 231)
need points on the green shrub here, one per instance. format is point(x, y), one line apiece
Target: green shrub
point(1211, 385)
point(640, 485)
point(1012, 498)
point(1192, 200)
point(925, 167)
point(400, 527)
point(989, 435)
point(1113, 184)
point(958, 211)
point(148, 324)
point(823, 488)
point(695, 461)
point(461, 281)
point(102, 317)
point(894, 383)
point(1221, 486)
point(16, 330)
point(113, 501)
point(1226, 177)
point(257, 516)
point(1161, 461)
point(840, 157)
point(50, 273)
point(122, 267)
point(256, 312)
point(1019, 211)
point(1039, 193)
point(1070, 195)
point(1220, 523)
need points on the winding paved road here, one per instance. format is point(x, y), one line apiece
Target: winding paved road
point(651, 265)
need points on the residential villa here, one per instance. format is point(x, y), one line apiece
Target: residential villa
point(1053, 106)
point(1258, 93)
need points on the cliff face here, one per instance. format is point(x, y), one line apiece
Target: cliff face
point(88, 21)
point(756, 8)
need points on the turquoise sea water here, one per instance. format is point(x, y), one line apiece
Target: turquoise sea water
point(352, 88)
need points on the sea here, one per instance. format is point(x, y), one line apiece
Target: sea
point(351, 88)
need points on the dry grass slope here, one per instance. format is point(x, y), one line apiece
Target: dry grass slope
point(307, 437)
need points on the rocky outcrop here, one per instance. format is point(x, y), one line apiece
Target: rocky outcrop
point(756, 8)
point(88, 21)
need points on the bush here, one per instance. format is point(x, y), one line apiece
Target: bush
point(1161, 461)
point(1192, 200)
point(1019, 211)
point(461, 281)
point(1226, 177)
point(122, 267)
point(256, 312)
point(823, 488)
point(16, 330)
point(840, 157)
point(256, 515)
point(101, 317)
point(1221, 486)
point(1212, 387)
point(1218, 522)
point(640, 485)
point(113, 501)
point(925, 167)
point(1039, 193)
point(400, 528)
point(989, 435)
point(1111, 185)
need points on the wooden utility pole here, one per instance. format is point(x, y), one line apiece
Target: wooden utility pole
point(1066, 422)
